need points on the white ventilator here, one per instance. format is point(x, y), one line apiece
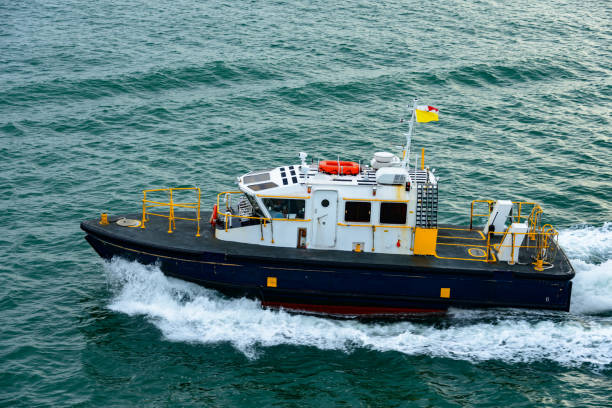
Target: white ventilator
point(513, 239)
point(498, 217)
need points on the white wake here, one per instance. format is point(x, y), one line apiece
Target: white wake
point(188, 312)
point(590, 252)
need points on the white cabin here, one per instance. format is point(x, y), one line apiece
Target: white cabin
point(383, 207)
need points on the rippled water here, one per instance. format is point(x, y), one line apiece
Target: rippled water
point(99, 100)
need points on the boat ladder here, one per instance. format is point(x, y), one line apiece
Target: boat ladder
point(427, 205)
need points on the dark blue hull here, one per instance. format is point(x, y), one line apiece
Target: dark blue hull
point(342, 288)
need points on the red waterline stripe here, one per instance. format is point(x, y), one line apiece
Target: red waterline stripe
point(350, 310)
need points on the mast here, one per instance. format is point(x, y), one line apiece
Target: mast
point(406, 158)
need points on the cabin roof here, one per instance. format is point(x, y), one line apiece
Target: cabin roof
point(291, 179)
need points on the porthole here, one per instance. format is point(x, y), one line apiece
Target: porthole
point(325, 203)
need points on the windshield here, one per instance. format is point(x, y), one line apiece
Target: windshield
point(256, 210)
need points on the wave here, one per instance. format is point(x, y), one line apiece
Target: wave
point(214, 73)
point(590, 251)
point(588, 243)
point(187, 312)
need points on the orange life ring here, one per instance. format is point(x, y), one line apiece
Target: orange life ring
point(346, 167)
point(213, 217)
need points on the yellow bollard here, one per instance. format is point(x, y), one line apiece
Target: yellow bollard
point(539, 265)
point(104, 219)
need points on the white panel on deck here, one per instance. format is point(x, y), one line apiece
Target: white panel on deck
point(513, 239)
point(499, 215)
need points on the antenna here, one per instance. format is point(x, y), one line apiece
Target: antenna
point(303, 156)
point(304, 168)
point(406, 158)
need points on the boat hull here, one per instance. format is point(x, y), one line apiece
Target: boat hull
point(343, 289)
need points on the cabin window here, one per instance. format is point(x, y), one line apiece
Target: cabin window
point(357, 211)
point(285, 208)
point(393, 213)
point(256, 210)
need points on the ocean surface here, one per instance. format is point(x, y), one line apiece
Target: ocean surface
point(102, 99)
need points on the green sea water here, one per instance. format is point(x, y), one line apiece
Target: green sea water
point(101, 99)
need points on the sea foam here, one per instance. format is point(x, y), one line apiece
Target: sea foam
point(590, 252)
point(187, 312)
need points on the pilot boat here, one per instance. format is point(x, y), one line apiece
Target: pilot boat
point(347, 239)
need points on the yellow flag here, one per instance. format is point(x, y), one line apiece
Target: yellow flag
point(426, 114)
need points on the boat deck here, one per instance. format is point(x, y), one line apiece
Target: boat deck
point(455, 242)
point(458, 250)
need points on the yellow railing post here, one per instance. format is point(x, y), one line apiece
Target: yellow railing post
point(471, 213)
point(198, 214)
point(172, 205)
point(171, 213)
point(144, 208)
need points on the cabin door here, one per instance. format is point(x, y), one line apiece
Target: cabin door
point(325, 210)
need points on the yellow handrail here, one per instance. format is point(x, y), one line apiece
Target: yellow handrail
point(472, 215)
point(515, 218)
point(226, 215)
point(376, 226)
point(542, 245)
point(282, 196)
point(374, 199)
point(520, 204)
point(534, 218)
point(171, 204)
point(544, 236)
